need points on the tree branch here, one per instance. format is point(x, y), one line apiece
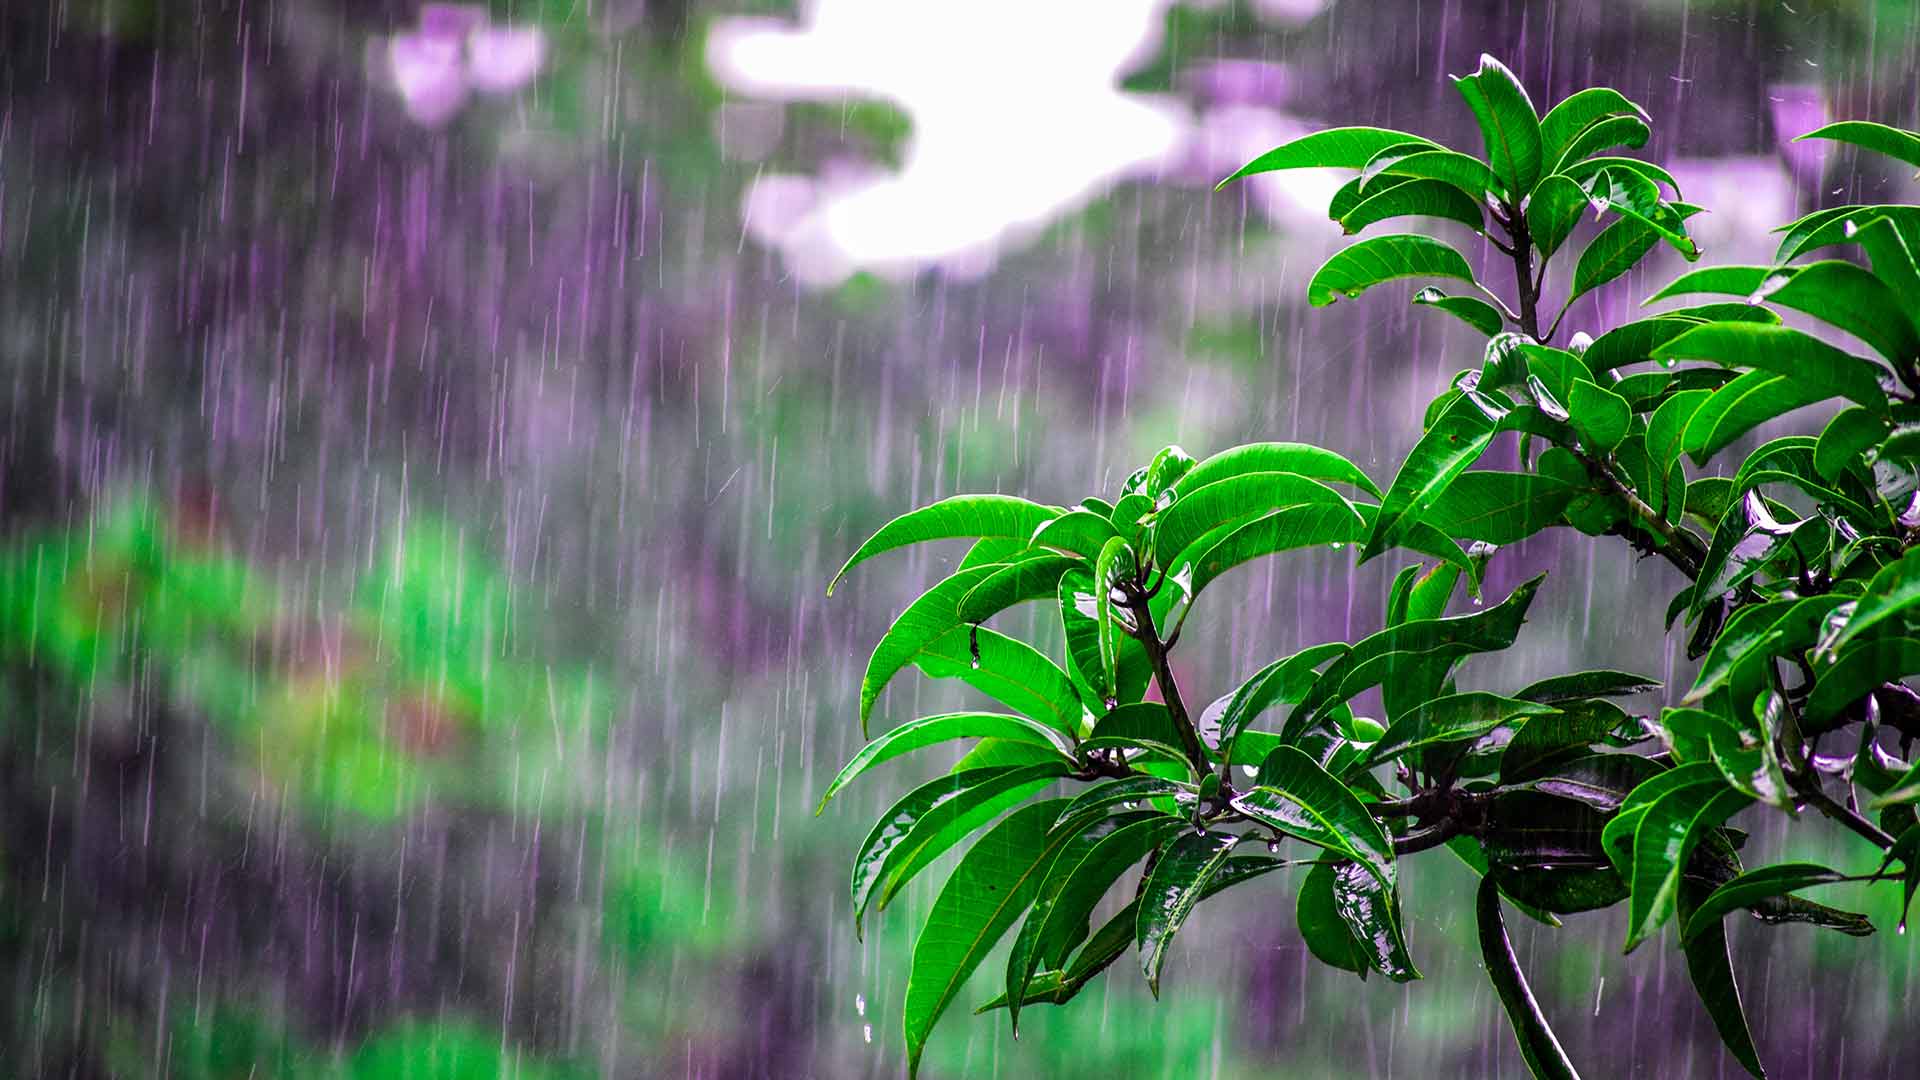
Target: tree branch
point(1149, 637)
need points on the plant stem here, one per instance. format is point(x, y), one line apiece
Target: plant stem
point(1149, 637)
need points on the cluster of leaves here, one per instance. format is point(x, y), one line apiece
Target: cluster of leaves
point(1801, 579)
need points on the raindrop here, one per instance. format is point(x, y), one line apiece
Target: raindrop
point(1273, 847)
point(860, 1004)
point(867, 1032)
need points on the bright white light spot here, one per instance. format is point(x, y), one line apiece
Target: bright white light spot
point(1016, 111)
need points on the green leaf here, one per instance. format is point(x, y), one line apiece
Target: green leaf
point(1891, 592)
point(1090, 805)
point(1200, 510)
point(935, 804)
point(1322, 928)
point(1294, 795)
point(1583, 171)
point(1782, 350)
point(1881, 139)
point(1845, 225)
point(1847, 436)
point(1352, 271)
point(953, 821)
point(936, 612)
point(1031, 578)
point(1060, 918)
point(1508, 124)
point(1544, 1057)
point(1076, 532)
point(995, 881)
point(1498, 507)
point(1420, 198)
point(1634, 342)
point(1667, 427)
point(1604, 134)
point(1371, 911)
point(1291, 528)
point(1456, 718)
point(1166, 469)
point(1469, 174)
point(1553, 211)
point(1080, 622)
point(1478, 314)
point(1600, 415)
point(1359, 189)
point(1892, 254)
point(1116, 559)
point(1546, 850)
point(1849, 298)
point(1750, 888)
point(1585, 684)
point(1710, 965)
point(1747, 537)
point(1468, 850)
point(1375, 657)
point(1184, 868)
point(1142, 725)
point(1742, 405)
point(1860, 669)
point(1761, 629)
point(962, 515)
point(1615, 251)
point(1007, 670)
point(1576, 112)
point(1664, 836)
point(992, 549)
point(1574, 772)
point(1452, 444)
point(1348, 147)
point(1630, 194)
point(1285, 681)
point(929, 730)
point(1309, 461)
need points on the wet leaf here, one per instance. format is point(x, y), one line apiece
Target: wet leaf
point(1449, 447)
point(1881, 139)
point(1849, 298)
point(1578, 111)
point(1553, 211)
point(1476, 313)
point(1202, 509)
point(1498, 507)
point(1691, 799)
point(1013, 583)
point(1419, 198)
point(1007, 670)
point(1321, 927)
point(1076, 532)
point(1352, 271)
point(1182, 872)
point(995, 881)
point(1891, 592)
point(1456, 718)
point(1371, 911)
point(1544, 1057)
point(1302, 459)
point(962, 515)
point(1814, 364)
point(1143, 725)
point(1600, 415)
point(1298, 797)
point(929, 730)
point(1285, 681)
point(1742, 405)
point(1584, 684)
point(1710, 965)
point(1348, 147)
point(1508, 124)
point(1750, 888)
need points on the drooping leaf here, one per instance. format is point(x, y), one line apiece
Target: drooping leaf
point(954, 819)
point(1302, 459)
point(1116, 559)
point(936, 612)
point(995, 881)
point(1202, 509)
point(1348, 147)
point(1538, 1046)
point(1419, 198)
point(1631, 195)
point(1007, 670)
point(1059, 921)
point(1414, 161)
point(1508, 124)
point(1848, 435)
point(1031, 578)
point(1321, 927)
point(1664, 836)
point(1600, 416)
point(1849, 298)
point(1453, 443)
point(1371, 910)
point(1353, 270)
point(1547, 851)
point(1296, 796)
point(1179, 876)
point(1308, 525)
point(929, 730)
point(1583, 171)
point(1746, 538)
point(1284, 681)
point(1476, 313)
point(961, 515)
point(1892, 252)
point(1618, 248)
point(1080, 622)
point(1374, 657)
point(1710, 965)
point(1750, 888)
point(1879, 138)
point(1092, 803)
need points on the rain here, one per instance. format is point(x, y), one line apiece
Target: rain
point(428, 431)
